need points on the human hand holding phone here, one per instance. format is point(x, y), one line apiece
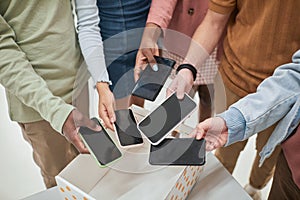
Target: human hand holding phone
point(151, 82)
point(100, 145)
point(182, 83)
point(148, 49)
point(106, 105)
point(215, 132)
point(71, 129)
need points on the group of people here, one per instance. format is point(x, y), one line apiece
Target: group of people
point(245, 40)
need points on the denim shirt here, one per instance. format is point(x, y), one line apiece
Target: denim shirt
point(277, 99)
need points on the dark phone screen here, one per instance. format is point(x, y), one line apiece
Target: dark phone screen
point(165, 117)
point(151, 82)
point(179, 151)
point(100, 144)
point(126, 128)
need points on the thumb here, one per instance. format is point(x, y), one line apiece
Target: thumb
point(93, 124)
point(81, 120)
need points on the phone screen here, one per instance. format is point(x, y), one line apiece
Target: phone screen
point(179, 151)
point(100, 144)
point(151, 82)
point(126, 128)
point(166, 117)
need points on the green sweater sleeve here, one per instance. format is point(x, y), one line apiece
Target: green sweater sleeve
point(20, 79)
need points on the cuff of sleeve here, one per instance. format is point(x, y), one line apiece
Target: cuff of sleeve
point(235, 123)
point(102, 78)
point(221, 9)
point(158, 20)
point(61, 116)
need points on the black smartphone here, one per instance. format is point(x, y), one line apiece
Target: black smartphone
point(126, 129)
point(178, 151)
point(164, 119)
point(151, 82)
point(100, 145)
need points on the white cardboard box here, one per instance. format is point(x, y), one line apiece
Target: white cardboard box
point(129, 178)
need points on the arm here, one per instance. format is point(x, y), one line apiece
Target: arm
point(274, 98)
point(159, 17)
point(92, 49)
point(204, 41)
point(19, 78)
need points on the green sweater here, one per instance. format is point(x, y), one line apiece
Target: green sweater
point(39, 59)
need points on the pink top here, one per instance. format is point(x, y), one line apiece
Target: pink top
point(179, 19)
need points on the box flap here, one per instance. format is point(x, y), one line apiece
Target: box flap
point(83, 172)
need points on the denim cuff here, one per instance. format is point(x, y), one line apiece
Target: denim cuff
point(235, 123)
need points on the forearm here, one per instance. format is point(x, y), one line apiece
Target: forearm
point(206, 37)
point(274, 98)
point(90, 39)
point(161, 12)
point(20, 79)
point(151, 33)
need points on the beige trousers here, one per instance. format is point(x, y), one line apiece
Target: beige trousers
point(51, 151)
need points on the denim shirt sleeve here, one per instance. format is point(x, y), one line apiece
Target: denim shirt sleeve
point(90, 39)
point(274, 98)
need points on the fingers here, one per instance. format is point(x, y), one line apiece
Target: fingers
point(180, 90)
point(172, 88)
point(107, 114)
point(140, 63)
point(76, 141)
point(213, 142)
point(90, 124)
point(201, 129)
point(71, 128)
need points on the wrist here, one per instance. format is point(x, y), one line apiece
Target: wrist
point(189, 67)
point(102, 86)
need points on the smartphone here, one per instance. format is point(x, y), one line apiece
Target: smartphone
point(178, 151)
point(151, 82)
point(166, 117)
point(126, 129)
point(100, 145)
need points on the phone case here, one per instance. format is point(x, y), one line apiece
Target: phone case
point(92, 142)
point(151, 82)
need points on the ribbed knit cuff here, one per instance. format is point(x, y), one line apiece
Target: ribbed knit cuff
point(235, 123)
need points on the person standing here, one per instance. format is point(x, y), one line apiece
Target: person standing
point(121, 27)
point(277, 100)
point(39, 60)
point(168, 19)
point(258, 39)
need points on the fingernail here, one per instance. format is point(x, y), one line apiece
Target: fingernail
point(155, 67)
point(112, 120)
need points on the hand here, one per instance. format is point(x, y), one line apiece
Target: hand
point(143, 57)
point(183, 82)
point(215, 132)
point(71, 128)
point(106, 105)
point(148, 49)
